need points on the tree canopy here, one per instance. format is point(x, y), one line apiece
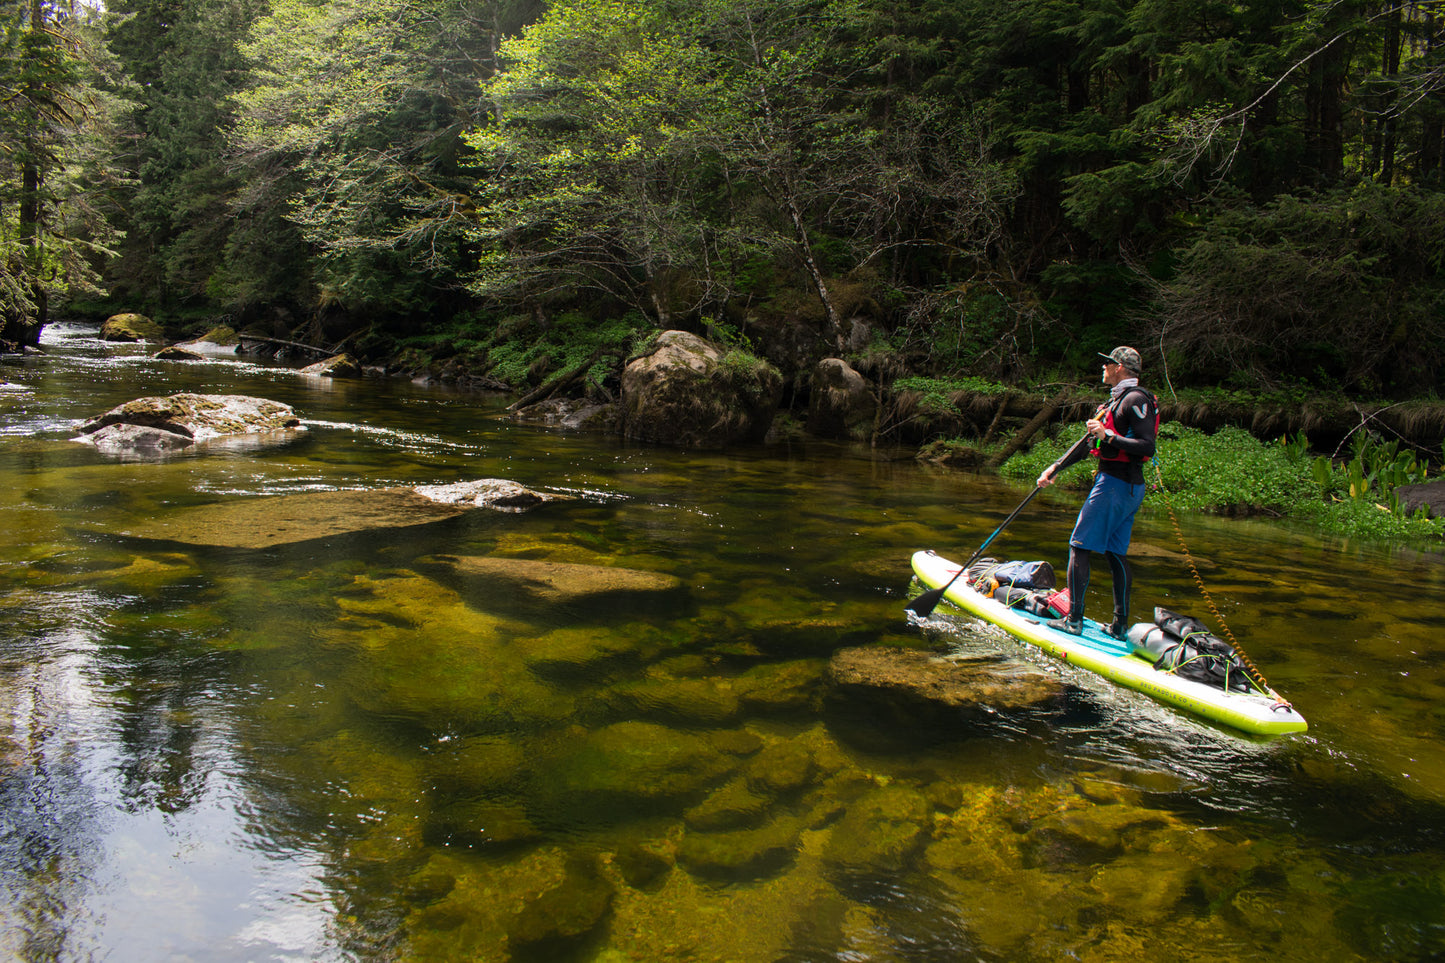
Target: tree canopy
point(994, 187)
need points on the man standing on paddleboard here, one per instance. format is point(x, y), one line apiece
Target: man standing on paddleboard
point(1123, 431)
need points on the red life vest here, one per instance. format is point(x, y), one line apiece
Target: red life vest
point(1105, 415)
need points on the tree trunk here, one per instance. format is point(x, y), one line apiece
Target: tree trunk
point(29, 225)
point(1029, 430)
point(1389, 119)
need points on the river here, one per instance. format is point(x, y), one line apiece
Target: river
point(321, 752)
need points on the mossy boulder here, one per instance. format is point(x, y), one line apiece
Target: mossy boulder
point(841, 403)
point(175, 352)
point(338, 366)
point(131, 328)
point(689, 392)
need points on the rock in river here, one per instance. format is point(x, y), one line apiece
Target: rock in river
point(252, 523)
point(131, 327)
point(918, 684)
point(689, 392)
point(156, 425)
point(598, 589)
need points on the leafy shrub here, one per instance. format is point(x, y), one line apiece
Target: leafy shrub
point(530, 354)
point(1233, 472)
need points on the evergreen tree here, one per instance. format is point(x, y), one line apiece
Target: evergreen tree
point(56, 142)
point(184, 59)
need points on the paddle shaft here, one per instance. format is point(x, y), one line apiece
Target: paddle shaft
point(928, 601)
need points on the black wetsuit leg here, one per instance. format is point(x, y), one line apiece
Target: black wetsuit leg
point(1119, 566)
point(1078, 574)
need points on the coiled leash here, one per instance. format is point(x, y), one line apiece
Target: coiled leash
point(1250, 668)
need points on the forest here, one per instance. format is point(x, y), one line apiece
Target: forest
point(1252, 193)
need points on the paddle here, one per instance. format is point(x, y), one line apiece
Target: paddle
point(928, 601)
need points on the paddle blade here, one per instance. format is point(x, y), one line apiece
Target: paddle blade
point(924, 605)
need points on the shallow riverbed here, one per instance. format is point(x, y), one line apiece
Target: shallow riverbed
point(325, 750)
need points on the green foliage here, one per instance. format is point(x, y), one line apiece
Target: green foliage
point(1232, 472)
point(525, 354)
point(936, 394)
point(59, 105)
point(1346, 282)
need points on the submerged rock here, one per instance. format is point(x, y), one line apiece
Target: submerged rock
point(913, 682)
point(280, 520)
point(631, 769)
point(531, 583)
point(572, 413)
point(418, 652)
point(880, 831)
point(747, 853)
point(538, 906)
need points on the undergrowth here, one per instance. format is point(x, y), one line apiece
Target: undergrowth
point(1231, 472)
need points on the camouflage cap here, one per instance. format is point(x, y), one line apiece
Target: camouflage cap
point(1125, 356)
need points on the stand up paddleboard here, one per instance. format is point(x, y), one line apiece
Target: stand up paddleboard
point(1255, 712)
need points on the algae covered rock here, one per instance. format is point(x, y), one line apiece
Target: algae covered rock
point(478, 823)
point(633, 768)
point(916, 685)
point(532, 583)
point(880, 830)
point(747, 853)
point(782, 688)
point(575, 903)
point(541, 905)
point(337, 366)
point(709, 701)
point(588, 651)
point(781, 767)
point(643, 862)
point(421, 653)
point(730, 806)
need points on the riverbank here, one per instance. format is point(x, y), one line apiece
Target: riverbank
point(1329, 459)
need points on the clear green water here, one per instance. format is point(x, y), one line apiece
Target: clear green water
point(325, 751)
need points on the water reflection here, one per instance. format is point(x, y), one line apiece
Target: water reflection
point(381, 744)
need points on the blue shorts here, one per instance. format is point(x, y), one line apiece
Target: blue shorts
point(1107, 518)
